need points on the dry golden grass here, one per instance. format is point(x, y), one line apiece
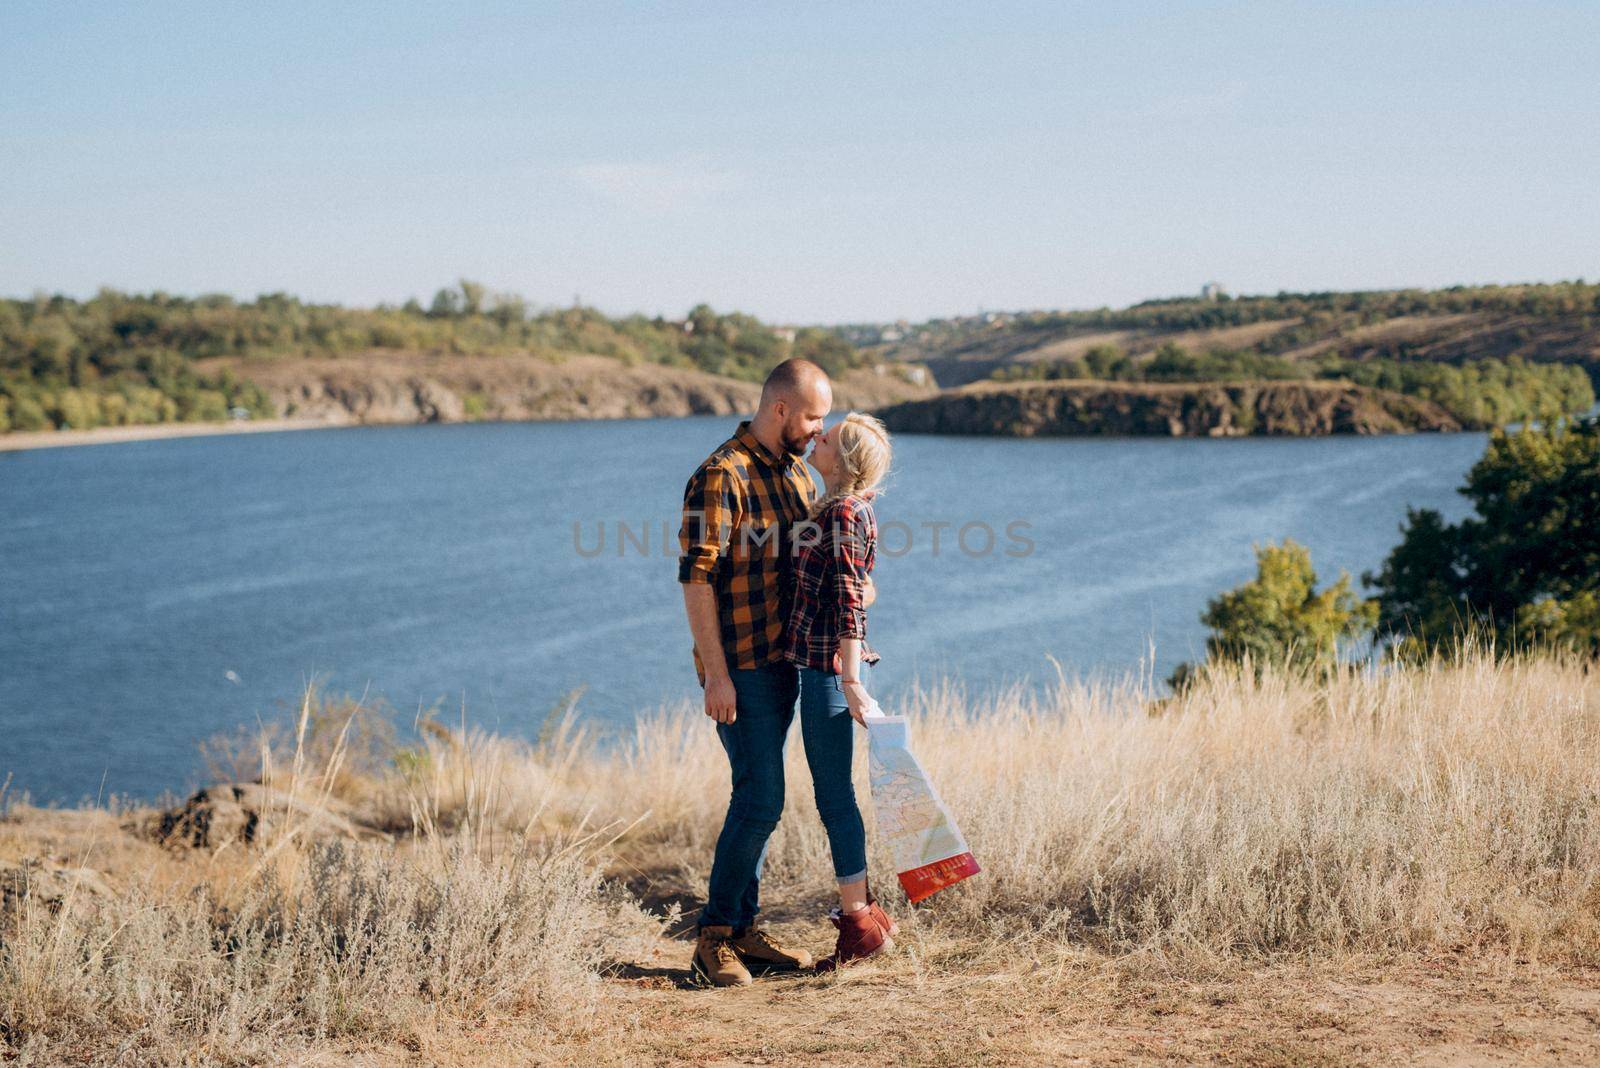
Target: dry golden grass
point(1414, 808)
point(1344, 836)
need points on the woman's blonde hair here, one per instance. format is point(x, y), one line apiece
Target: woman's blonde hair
point(864, 455)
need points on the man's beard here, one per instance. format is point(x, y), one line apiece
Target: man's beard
point(795, 447)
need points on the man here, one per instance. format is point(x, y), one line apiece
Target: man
point(739, 509)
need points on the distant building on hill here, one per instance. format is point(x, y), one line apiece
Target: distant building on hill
point(1212, 291)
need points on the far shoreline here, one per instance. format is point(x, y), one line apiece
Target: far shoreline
point(29, 440)
point(24, 440)
point(32, 440)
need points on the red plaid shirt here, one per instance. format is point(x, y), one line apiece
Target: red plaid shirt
point(831, 566)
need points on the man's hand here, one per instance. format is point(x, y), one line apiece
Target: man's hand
point(721, 701)
point(869, 592)
point(701, 603)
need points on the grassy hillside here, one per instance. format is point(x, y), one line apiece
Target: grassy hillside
point(1401, 865)
point(1378, 338)
point(121, 359)
point(1488, 355)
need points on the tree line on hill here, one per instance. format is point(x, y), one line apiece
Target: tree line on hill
point(1522, 572)
point(1316, 314)
point(1558, 300)
point(119, 359)
point(1479, 393)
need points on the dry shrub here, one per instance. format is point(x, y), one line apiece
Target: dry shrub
point(347, 742)
point(443, 780)
point(245, 952)
point(344, 940)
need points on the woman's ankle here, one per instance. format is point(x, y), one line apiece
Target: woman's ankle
point(853, 896)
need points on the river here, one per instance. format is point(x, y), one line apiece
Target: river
point(155, 593)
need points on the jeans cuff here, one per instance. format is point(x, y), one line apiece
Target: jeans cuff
point(856, 878)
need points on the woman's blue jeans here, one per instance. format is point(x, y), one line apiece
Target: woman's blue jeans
point(828, 732)
point(754, 741)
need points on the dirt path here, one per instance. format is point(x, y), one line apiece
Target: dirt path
point(945, 1003)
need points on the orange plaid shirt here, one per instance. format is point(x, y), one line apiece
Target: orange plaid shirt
point(738, 511)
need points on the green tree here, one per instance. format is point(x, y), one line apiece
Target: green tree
point(508, 309)
point(1105, 361)
point(1573, 623)
point(702, 320)
point(121, 358)
point(75, 409)
point(472, 294)
point(826, 349)
point(28, 414)
point(446, 305)
point(1279, 617)
point(1525, 568)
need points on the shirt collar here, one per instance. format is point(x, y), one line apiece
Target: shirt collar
point(747, 438)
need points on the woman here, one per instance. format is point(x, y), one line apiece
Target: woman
point(826, 639)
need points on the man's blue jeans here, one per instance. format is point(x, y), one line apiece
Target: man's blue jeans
point(765, 699)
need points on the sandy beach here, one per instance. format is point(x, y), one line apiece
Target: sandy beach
point(112, 435)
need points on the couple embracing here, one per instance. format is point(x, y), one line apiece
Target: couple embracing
point(775, 570)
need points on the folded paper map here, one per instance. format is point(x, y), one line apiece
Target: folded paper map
point(929, 852)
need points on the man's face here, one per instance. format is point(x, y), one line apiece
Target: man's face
point(805, 415)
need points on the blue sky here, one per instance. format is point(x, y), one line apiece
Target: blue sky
point(803, 162)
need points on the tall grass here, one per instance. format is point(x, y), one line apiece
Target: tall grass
point(245, 952)
point(335, 941)
point(1445, 805)
point(1451, 803)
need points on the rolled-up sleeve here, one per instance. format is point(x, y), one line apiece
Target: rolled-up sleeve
point(709, 504)
point(852, 545)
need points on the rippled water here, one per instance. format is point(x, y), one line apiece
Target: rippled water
point(155, 593)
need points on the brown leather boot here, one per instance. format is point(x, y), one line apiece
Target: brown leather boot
point(716, 961)
point(860, 936)
point(759, 949)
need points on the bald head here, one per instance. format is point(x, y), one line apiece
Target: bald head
point(791, 379)
point(794, 403)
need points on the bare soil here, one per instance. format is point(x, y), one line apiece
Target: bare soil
point(942, 1001)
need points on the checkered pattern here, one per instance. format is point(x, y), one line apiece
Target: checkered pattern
point(739, 510)
point(830, 578)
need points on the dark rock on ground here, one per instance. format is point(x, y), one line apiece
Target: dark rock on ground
point(248, 814)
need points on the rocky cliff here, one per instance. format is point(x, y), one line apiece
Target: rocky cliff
point(1179, 410)
point(400, 387)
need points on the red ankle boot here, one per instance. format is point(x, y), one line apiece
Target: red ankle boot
point(885, 921)
point(861, 935)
